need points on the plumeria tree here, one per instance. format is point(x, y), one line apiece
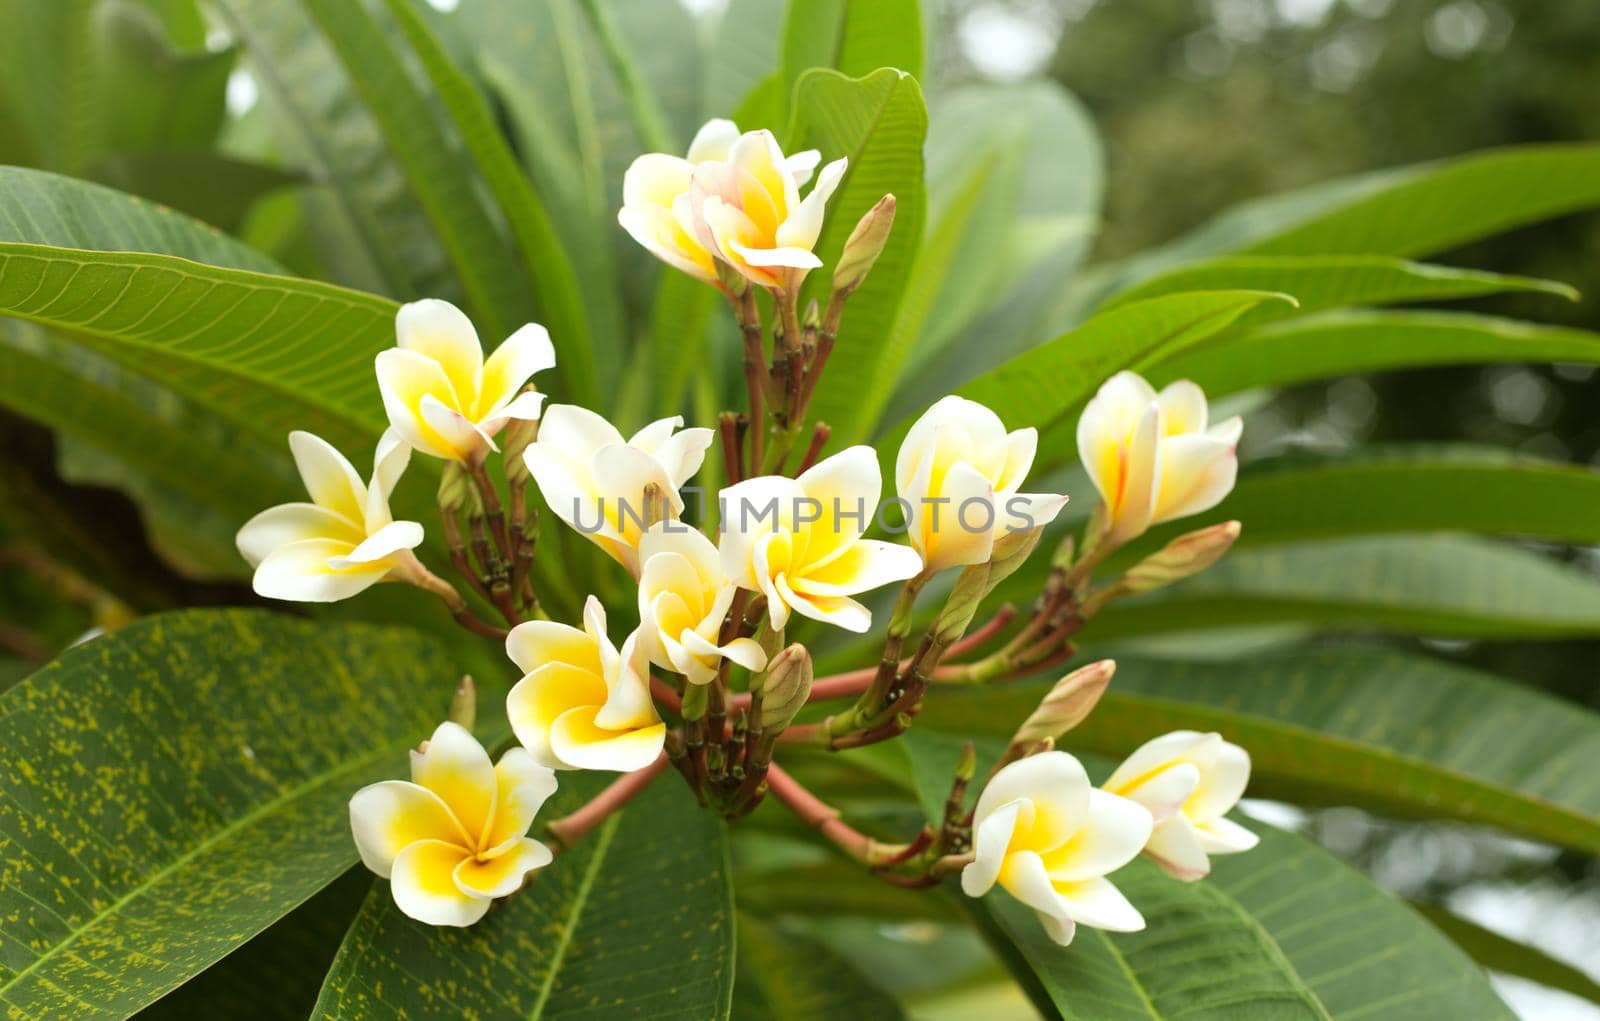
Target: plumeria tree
point(791, 531)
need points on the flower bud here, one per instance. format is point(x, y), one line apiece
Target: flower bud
point(971, 586)
point(1184, 556)
point(455, 489)
point(1011, 551)
point(1067, 704)
point(864, 246)
point(734, 282)
point(786, 688)
point(464, 703)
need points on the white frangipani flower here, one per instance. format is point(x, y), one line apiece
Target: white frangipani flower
point(1152, 456)
point(594, 480)
point(798, 541)
point(657, 207)
point(455, 836)
point(344, 540)
point(684, 595)
point(440, 394)
point(959, 472)
point(751, 215)
point(582, 703)
point(1050, 839)
point(1189, 781)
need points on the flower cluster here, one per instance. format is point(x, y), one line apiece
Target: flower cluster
point(708, 681)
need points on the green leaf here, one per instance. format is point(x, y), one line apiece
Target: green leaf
point(1436, 585)
point(1330, 281)
point(789, 977)
point(47, 209)
point(1016, 170)
point(168, 791)
point(196, 479)
point(1439, 206)
point(211, 187)
point(1201, 956)
point(275, 976)
point(269, 353)
point(433, 163)
point(1054, 380)
point(1508, 957)
point(635, 921)
point(879, 123)
point(1343, 343)
point(1397, 733)
point(854, 37)
point(1281, 931)
point(1401, 489)
point(314, 111)
point(544, 259)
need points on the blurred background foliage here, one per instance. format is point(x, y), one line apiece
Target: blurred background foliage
point(1201, 104)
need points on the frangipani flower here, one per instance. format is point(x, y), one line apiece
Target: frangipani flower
point(1188, 781)
point(959, 471)
point(455, 836)
point(582, 704)
point(657, 208)
point(1050, 839)
point(344, 540)
point(751, 216)
point(684, 594)
point(1152, 456)
point(440, 394)
point(798, 541)
point(595, 480)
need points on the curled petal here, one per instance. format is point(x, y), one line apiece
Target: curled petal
point(503, 874)
point(277, 527)
point(1196, 472)
point(1096, 902)
point(713, 141)
point(535, 703)
point(1183, 408)
point(303, 572)
point(524, 353)
point(424, 885)
point(387, 541)
point(1222, 785)
point(457, 433)
point(389, 816)
point(990, 840)
point(580, 744)
point(404, 379)
point(840, 611)
point(532, 644)
point(1175, 847)
point(1224, 836)
point(800, 230)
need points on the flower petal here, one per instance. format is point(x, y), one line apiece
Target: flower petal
point(1175, 847)
point(524, 353)
point(800, 230)
point(713, 140)
point(1224, 836)
point(455, 767)
point(1222, 785)
point(655, 179)
point(840, 611)
point(990, 839)
point(441, 332)
point(278, 526)
point(1056, 787)
point(534, 643)
point(1163, 792)
point(749, 512)
point(577, 432)
point(580, 744)
point(1159, 753)
point(389, 816)
point(302, 572)
point(1196, 472)
point(503, 874)
point(865, 564)
point(387, 541)
point(960, 528)
point(463, 437)
point(330, 479)
point(846, 488)
point(1113, 833)
point(522, 786)
point(404, 378)
point(424, 886)
point(1097, 903)
point(1183, 408)
point(389, 462)
point(535, 703)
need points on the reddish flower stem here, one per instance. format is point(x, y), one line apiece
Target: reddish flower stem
point(570, 829)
